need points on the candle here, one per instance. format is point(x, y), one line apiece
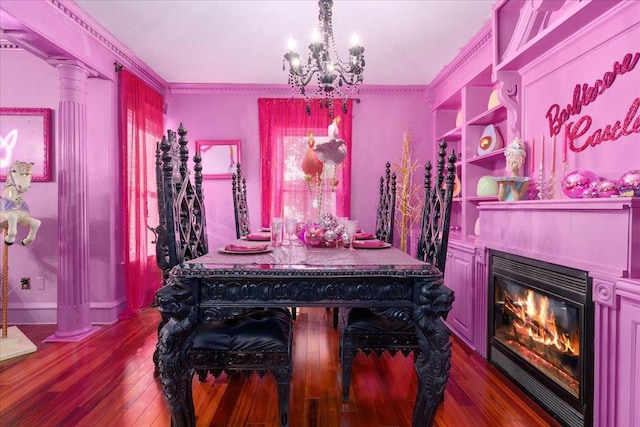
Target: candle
point(553, 154)
point(542, 152)
point(533, 155)
point(564, 146)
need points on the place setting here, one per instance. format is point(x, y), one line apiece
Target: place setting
point(361, 235)
point(371, 243)
point(257, 237)
point(234, 248)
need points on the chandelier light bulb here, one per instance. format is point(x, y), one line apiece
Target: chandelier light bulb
point(355, 40)
point(291, 44)
point(295, 62)
point(315, 36)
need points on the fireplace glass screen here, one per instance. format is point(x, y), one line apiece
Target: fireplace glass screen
point(542, 329)
point(541, 333)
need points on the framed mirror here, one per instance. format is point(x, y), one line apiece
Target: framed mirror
point(25, 135)
point(219, 158)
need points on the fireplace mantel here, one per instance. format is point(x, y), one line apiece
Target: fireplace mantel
point(601, 237)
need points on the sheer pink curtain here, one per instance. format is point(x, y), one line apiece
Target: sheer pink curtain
point(285, 121)
point(140, 127)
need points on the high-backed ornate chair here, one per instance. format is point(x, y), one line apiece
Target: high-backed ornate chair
point(236, 342)
point(392, 329)
point(385, 216)
point(240, 209)
point(386, 206)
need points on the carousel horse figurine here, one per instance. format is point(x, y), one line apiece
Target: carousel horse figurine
point(13, 210)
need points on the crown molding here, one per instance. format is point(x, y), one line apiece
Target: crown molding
point(281, 89)
point(99, 33)
point(7, 45)
point(466, 54)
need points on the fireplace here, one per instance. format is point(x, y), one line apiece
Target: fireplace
point(541, 333)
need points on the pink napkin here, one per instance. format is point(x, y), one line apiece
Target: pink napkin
point(258, 237)
point(363, 236)
point(369, 244)
point(240, 248)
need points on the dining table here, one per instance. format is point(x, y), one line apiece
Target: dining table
point(225, 281)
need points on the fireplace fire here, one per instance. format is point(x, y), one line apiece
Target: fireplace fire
point(541, 331)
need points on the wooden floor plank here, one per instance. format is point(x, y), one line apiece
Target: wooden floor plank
point(108, 380)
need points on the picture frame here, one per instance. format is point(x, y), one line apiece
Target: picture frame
point(26, 135)
point(219, 158)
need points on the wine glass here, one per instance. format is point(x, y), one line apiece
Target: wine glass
point(350, 227)
point(290, 226)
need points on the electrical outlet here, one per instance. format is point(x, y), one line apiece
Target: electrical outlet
point(25, 282)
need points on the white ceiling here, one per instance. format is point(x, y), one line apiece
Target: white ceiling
point(244, 41)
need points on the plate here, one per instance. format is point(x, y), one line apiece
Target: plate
point(257, 237)
point(259, 250)
point(366, 245)
point(265, 230)
point(364, 236)
point(511, 178)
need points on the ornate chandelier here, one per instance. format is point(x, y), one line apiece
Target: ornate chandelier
point(335, 78)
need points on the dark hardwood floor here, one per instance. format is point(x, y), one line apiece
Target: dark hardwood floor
point(107, 380)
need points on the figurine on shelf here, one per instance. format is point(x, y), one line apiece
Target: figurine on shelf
point(513, 187)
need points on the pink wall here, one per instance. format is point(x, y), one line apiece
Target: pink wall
point(30, 82)
point(584, 60)
point(377, 137)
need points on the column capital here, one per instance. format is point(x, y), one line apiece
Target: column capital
point(79, 66)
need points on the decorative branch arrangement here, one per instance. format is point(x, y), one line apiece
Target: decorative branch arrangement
point(408, 201)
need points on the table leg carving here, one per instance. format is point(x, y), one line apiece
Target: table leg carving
point(175, 367)
point(433, 364)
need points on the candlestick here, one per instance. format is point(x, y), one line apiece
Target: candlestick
point(553, 155)
point(551, 183)
point(564, 173)
point(564, 146)
point(540, 184)
point(533, 155)
point(541, 151)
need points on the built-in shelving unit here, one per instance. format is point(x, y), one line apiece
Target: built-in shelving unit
point(461, 122)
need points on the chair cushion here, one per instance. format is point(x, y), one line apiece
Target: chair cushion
point(365, 320)
point(256, 330)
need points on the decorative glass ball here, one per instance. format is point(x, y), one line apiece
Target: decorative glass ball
point(330, 237)
point(576, 182)
point(591, 192)
point(630, 182)
point(328, 221)
point(608, 188)
point(345, 237)
point(314, 236)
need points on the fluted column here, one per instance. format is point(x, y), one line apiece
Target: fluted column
point(73, 320)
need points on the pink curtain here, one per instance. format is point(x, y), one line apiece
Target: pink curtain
point(284, 117)
point(140, 127)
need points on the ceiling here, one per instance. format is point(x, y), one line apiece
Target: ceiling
point(244, 41)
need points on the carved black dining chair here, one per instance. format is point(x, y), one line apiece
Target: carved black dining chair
point(252, 340)
point(392, 329)
point(240, 207)
point(385, 216)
